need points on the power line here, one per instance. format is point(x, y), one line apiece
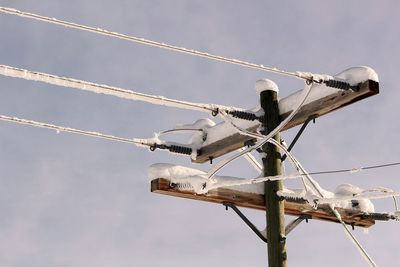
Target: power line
point(150, 142)
point(258, 136)
point(135, 141)
point(354, 170)
point(109, 90)
point(82, 85)
point(352, 238)
point(12, 11)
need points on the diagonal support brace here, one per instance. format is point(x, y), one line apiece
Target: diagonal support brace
point(244, 218)
point(295, 223)
point(296, 138)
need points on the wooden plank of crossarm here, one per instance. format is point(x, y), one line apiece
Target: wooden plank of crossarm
point(219, 195)
point(329, 102)
point(257, 201)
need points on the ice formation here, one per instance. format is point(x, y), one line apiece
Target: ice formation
point(265, 84)
point(353, 76)
point(345, 196)
point(197, 180)
point(357, 75)
point(107, 90)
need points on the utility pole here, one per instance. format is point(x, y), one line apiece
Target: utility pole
point(272, 165)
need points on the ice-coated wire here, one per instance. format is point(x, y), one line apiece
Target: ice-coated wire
point(181, 130)
point(250, 158)
point(319, 191)
point(13, 11)
point(295, 162)
point(258, 166)
point(352, 238)
point(253, 161)
point(134, 141)
point(305, 175)
point(354, 170)
point(215, 185)
point(385, 193)
point(261, 142)
point(139, 142)
point(268, 178)
point(395, 204)
point(107, 90)
point(224, 115)
point(298, 166)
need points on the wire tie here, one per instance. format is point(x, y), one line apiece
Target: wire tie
point(215, 112)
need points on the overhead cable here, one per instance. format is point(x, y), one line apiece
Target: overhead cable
point(354, 240)
point(152, 143)
point(149, 143)
point(357, 169)
point(321, 193)
point(351, 170)
point(144, 41)
point(141, 142)
point(108, 90)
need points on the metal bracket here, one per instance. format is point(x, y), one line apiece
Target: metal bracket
point(296, 222)
point(244, 218)
point(296, 138)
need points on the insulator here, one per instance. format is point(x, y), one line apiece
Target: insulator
point(377, 216)
point(295, 199)
point(182, 186)
point(180, 149)
point(338, 84)
point(243, 115)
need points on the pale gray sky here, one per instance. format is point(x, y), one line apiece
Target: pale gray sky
point(69, 200)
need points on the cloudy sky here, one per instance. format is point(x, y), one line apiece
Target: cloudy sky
point(70, 200)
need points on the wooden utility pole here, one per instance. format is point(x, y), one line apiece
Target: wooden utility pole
point(272, 166)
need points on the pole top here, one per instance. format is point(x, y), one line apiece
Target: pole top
point(266, 85)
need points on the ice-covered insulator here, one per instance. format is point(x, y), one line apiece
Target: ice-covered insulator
point(182, 186)
point(340, 85)
point(295, 199)
point(180, 149)
point(243, 115)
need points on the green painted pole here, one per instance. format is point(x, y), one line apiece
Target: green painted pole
point(272, 164)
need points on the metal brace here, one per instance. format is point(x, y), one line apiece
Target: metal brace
point(296, 138)
point(244, 218)
point(296, 222)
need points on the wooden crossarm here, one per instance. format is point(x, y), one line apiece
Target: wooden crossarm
point(328, 102)
point(256, 201)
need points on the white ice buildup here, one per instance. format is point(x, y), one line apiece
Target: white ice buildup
point(319, 91)
point(265, 84)
point(198, 130)
point(356, 75)
point(192, 179)
point(199, 124)
point(353, 76)
point(345, 196)
point(107, 90)
point(197, 138)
